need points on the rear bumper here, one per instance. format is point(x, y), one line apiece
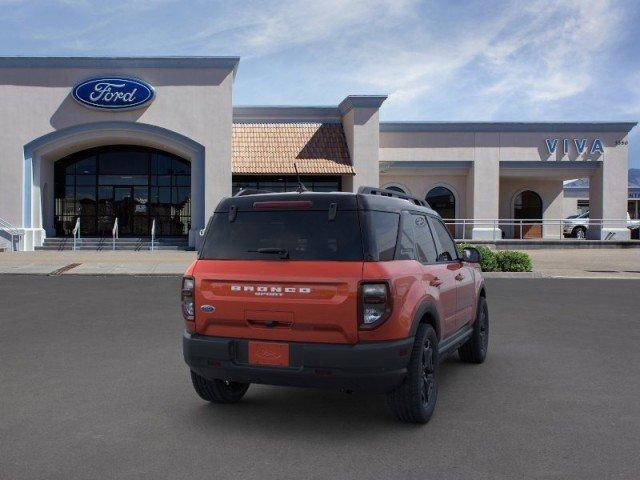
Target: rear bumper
point(371, 366)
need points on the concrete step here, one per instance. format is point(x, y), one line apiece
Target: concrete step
point(125, 243)
point(140, 248)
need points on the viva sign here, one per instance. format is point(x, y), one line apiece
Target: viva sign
point(596, 146)
point(113, 93)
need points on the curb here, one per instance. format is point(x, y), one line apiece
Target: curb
point(512, 275)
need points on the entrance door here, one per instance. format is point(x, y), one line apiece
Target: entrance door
point(123, 208)
point(528, 208)
point(130, 206)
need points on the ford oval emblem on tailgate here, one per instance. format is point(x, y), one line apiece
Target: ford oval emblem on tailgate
point(208, 308)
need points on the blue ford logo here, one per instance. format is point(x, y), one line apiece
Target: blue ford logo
point(113, 93)
point(208, 308)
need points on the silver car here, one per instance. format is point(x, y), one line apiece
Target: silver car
point(577, 225)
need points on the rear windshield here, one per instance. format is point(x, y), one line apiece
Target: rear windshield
point(274, 235)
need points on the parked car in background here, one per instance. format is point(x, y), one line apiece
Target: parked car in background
point(576, 225)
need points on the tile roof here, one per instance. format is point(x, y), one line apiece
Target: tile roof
point(274, 148)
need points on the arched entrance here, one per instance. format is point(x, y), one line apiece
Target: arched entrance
point(443, 201)
point(131, 183)
point(527, 206)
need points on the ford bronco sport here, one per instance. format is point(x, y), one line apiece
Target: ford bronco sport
point(340, 290)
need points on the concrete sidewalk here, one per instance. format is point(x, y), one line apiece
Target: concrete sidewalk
point(161, 262)
point(547, 263)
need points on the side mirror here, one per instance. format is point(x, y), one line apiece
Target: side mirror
point(471, 255)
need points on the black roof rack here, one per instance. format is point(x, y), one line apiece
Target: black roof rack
point(250, 191)
point(383, 192)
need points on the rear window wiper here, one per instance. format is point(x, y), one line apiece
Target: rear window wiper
point(283, 252)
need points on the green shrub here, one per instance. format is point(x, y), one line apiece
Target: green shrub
point(488, 262)
point(512, 261)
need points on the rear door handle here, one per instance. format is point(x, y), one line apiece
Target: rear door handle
point(459, 277)
point(436, 282)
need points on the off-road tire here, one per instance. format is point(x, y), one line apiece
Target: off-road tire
point(415, 399)
point(218, 391)
point(580, 233)
point(475, 350)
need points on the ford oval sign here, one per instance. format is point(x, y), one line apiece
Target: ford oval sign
point(113, 93)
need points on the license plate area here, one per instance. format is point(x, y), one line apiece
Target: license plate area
point(269, 353)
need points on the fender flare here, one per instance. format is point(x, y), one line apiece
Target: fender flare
point(425, 307)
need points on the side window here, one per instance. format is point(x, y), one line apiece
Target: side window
point(384, 226)
point(446, 245)
point(405, 249)
point(425, 247)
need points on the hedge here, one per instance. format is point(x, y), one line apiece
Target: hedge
point(488, 262)
point(512, 261)
point(500, 261)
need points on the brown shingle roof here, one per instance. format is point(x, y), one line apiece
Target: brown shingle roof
point(273, 148)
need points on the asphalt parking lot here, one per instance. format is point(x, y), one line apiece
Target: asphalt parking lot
point(92, 385)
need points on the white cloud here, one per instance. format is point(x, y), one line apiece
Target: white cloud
point(536, 53)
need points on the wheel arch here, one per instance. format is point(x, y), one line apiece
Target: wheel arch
point(426, 313)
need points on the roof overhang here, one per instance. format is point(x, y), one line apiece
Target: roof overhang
point(218, 63)
point(544, 127)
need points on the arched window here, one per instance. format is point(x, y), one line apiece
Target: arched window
point(528, 206)
point(395, 188)
point(442, 200)
point(133, 184)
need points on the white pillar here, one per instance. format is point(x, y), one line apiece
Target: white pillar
point(361, 125)
point(485, 178)
point(608, 194)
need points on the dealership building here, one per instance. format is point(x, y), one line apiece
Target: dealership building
point(158, 142)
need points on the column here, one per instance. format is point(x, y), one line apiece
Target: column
point(485, 179)
point(361, 125)
point(608, 195)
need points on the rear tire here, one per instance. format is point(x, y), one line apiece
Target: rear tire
point(580, 233)
point(475, 350)
point(415, 400)
point(218, 391)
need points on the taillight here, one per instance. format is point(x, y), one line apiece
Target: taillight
point(186, 298)
point(375, 304)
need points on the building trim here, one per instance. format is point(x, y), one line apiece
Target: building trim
point(361, 101)
point(223, 63)
point(548, 164)
point(386, 165)
point(546, 127)
point(286, 114)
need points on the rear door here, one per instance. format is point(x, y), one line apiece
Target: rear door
point(437, 276)
point(463, 276)
point(280, 274)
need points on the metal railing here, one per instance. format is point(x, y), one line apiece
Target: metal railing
point(114, 234)
point(153, 235)
point(12, 231)
point(538, 228)
point(76, 234)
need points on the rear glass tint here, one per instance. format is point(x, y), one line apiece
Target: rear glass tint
point(384, 233)
point(304, 235)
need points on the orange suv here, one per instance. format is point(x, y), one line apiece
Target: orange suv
point(349, 291)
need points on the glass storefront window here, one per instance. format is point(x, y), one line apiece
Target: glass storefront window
point(133, 184)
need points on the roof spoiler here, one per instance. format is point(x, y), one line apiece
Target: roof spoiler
point(383, 192)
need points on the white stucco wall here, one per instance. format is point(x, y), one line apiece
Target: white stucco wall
point(195, 103)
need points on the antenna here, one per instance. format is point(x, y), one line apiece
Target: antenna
point(301, 187)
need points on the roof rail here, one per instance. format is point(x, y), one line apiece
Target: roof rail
point(250, 191)
point(383, 192)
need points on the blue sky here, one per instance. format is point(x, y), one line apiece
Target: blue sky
point(437, 60)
